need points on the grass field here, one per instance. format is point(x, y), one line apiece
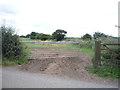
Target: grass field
point(70, 46)
point(61, 46)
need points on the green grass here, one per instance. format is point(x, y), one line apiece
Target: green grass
point(7, 62)
point(74, 47)
point(23, 60)
point(26, 39)
point(0, 61)
point(105, 71)
point(88, 51)
point(19, 60)
point(47, 45)
point(83, 46)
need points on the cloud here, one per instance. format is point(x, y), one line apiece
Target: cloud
point(75, 16)
point(6, 9)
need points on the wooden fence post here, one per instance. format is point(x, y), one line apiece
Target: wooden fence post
point(97, 54)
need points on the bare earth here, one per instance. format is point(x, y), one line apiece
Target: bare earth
point(62, 63)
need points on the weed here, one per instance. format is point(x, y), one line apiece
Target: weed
point(105, 71)
point(7, 62)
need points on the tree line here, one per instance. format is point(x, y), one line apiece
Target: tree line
point(96, 35)
point(58, 35)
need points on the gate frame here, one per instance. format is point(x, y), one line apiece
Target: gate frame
point(97, 55)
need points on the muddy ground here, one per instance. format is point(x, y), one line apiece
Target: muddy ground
point(62, 63)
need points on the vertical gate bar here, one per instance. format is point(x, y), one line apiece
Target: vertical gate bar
point(97, 60)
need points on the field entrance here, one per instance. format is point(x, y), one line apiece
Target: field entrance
point(60, 59)
point(57, 62)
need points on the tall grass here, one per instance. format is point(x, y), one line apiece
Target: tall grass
point(105, 71)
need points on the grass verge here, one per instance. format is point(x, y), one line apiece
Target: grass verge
point(0, 61)
point(105, 71)
point(10, 62)
point(7, 62)
point(20, 60)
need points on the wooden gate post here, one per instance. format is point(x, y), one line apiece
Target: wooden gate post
point(97, 54)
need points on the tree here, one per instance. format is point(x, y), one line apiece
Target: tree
point(43, 37)
point(12, 48)
point(28, 36)
point(39, 36)
point(22, 36)
point(59, 35)
point(87, 37)
point(33, 35)
point(98, 35)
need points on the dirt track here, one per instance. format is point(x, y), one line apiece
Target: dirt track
point(63, 63)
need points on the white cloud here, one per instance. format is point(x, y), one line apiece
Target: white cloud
point(77, 17)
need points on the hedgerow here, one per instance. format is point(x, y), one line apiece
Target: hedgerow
point(12, 48)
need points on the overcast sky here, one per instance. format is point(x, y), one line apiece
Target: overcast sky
point(77, 17)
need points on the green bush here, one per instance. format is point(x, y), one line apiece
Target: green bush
point(87, 37)
point(12, 48)
point(86, 44)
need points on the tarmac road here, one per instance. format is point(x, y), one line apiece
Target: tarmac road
point(17, 79)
